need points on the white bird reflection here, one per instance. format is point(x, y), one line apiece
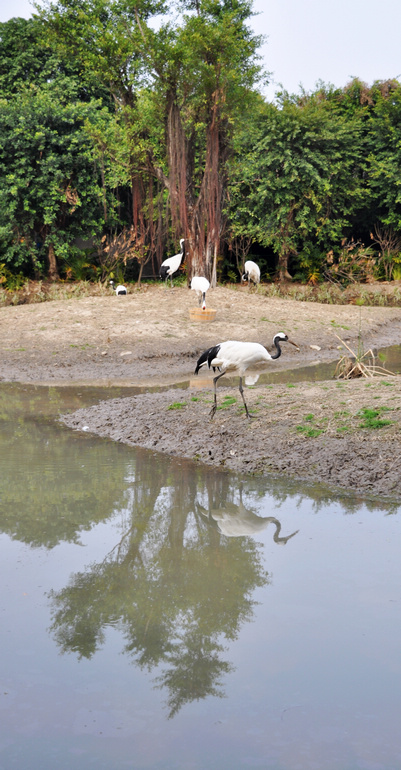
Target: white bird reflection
point(251, 379)
point(234, 520)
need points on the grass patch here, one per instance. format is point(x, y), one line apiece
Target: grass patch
point(372, 418)
point(177, 405)
point(309, 430)
point(227, 401)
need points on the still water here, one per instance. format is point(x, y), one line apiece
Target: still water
point(157, 615)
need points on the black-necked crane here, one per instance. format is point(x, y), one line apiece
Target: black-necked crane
point(252, 273)
point(172, 264)
point(238, 356)
point(120, 290)
point(200, 285)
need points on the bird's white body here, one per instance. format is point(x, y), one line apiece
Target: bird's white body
point(120, 290)
point(252, 273)
point(172, 264)
point(239, 356)
point(200, 285)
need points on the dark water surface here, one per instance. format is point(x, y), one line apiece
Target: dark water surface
point(150, 618)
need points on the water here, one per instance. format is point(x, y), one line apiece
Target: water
point(150, 619)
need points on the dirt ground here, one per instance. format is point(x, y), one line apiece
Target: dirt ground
point(316, 431)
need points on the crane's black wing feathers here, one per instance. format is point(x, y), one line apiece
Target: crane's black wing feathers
point(164, 271)
point(208, 357)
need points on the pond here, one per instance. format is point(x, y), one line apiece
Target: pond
point(157, 614)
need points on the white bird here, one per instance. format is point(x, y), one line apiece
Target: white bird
point(252, 273)
point(171, 265)
point(200, 285)
point(119, 290)
point(238, 356)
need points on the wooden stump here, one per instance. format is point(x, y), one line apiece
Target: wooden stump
point(197, 314)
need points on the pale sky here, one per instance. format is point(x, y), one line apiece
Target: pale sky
point(312, 40)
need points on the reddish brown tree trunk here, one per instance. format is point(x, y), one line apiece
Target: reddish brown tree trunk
point(53, 269)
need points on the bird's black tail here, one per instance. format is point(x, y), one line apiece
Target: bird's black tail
point(164, 272)
point(207, 357)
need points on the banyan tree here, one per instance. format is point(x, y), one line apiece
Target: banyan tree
point(178, 91)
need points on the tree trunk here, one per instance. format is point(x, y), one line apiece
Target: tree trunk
point(53, 269)
point(282, 267)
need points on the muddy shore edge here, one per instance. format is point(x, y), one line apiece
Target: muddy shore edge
point(314, 431)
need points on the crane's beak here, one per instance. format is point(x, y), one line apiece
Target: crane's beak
point(295, 344)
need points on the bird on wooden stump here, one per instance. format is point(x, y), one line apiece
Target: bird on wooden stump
point(120, 290)
point(238, 356)
point(200, 285)
point(172, 264)
point(251, 274)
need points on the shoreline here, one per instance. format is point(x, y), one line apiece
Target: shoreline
point(312, 431)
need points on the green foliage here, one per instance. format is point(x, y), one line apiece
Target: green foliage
point(296, 177)
point(179, 141)
point(10, 280)
point(49, 193)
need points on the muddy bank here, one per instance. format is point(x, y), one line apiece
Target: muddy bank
point(148, 338)
point(317, 432)
point(311, 431)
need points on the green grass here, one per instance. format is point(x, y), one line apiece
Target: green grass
point(227, 401)
point(177, 405)
point(372, 418)
point(309, 430)
point(335, 325)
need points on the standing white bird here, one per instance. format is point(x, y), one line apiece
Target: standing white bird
point(200, 285)
point(252, 273)
point(238, 356)
point(119, 290)
point(171, 265)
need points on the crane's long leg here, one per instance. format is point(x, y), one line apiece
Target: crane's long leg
point(214, 407)
point(241, 390)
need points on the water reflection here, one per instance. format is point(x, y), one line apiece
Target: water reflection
point(235, 520)
point(175, 589)
point(162, 561)
point(48, 490)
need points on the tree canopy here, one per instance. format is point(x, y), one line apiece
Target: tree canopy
point(141, 123)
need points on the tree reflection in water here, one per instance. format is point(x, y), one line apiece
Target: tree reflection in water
point(174, 586)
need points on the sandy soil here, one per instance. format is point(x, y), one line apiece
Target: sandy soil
point(312, 431)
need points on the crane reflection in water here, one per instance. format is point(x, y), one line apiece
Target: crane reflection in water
point(175, 588)
point(235, 520)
